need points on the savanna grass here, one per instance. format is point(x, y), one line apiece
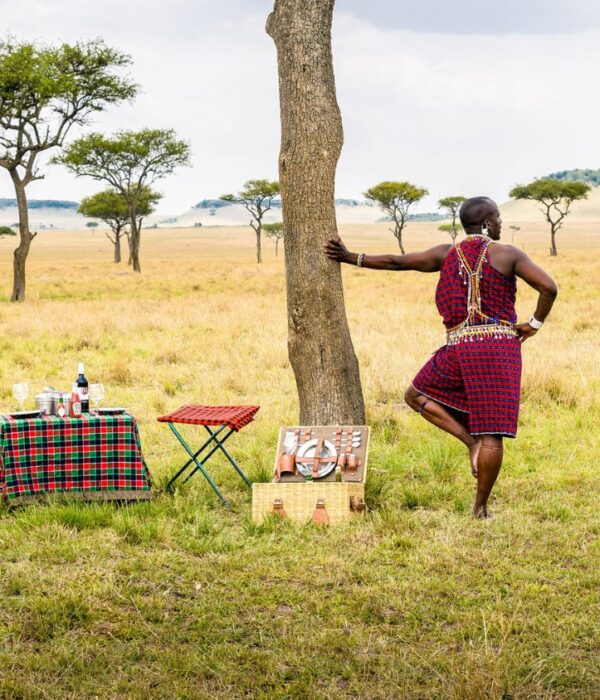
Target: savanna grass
point(179, 598)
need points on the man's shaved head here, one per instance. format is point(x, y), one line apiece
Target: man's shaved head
point(476, 210)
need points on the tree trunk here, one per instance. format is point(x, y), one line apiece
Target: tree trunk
point(319, 343)
point(258, 244)
point(277, 247)
point(21, 253)
point(398, 234)
point(118, 246)
point(553, 249)
point(134, 241)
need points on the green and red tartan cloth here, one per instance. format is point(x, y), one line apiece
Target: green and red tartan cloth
point(90, 454)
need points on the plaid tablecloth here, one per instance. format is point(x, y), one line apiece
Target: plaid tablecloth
point(97, 456)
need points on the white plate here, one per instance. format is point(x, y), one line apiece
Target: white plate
point(308, 450)
point(25, 414)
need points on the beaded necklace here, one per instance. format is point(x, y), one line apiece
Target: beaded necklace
point(472, 279)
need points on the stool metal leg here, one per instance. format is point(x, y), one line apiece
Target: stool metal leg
point(229, 457)
point(195, 455)
point(198, 463)
point(209, 454)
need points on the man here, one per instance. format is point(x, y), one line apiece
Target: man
point(470, 387)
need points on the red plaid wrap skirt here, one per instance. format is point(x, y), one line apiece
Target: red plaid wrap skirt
point(481, 378)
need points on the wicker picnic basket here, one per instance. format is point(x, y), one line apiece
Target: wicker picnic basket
point(323, 500)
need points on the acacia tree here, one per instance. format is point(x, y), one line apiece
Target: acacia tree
point(44, 92)
point(257, 197)
point(452, 206)
point(556, 197)
point(396, 198)
point(319, 343)
point(110, 206)
point(275, 233)
point(449, 228)
point(129, 161)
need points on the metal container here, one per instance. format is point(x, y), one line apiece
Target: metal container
point(47, 401)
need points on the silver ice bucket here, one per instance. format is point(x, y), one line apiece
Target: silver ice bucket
point(47, 401)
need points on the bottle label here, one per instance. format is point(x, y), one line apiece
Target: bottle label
point(76, 408)
point(83, 393)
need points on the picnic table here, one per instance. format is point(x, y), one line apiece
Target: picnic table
point(97, 457)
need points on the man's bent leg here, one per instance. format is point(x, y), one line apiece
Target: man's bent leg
point(489, 463)
point(437, 414)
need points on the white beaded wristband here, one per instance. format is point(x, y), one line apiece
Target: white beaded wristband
point(534, 323)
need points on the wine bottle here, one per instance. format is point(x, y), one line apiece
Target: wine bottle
point(82, 389)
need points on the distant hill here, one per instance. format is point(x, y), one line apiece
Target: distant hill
point(592, 177)
point(276, 204)
point(40, 204)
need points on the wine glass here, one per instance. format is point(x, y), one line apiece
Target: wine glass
point(96, 393)
point(20, 392)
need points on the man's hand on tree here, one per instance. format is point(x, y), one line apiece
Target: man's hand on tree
point(524, 331)
point(336, 250)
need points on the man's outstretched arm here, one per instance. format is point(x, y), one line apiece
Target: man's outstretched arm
point(423, 261)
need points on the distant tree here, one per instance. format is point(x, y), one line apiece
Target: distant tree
point(92, 224)
point(275, 233)
point(110, 206)
point(395, 198)
point(44, 92)
point(257, 197)
point(129, 161)
point(449, 228)
point(452, 207)
point(7, 231)
point(556, 197)
point(514, 229)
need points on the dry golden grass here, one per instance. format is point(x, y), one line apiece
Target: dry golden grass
point(180, 599)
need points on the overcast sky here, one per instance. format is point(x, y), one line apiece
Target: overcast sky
point(464, 97)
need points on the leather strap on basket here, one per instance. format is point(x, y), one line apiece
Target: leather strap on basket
point(317, 459)
point(278, 510)
point(320, 515)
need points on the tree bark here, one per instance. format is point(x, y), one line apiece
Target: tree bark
point(134, 241)
point(118, 246)
point(398, 234)
point(319, 343)
point(553, 249)
point(22, 251)
point(258, 244)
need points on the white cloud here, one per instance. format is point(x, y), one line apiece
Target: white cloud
point(457, 113)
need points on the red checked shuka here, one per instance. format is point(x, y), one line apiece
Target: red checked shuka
point(478, 371)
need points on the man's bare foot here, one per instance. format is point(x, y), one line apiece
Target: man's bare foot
point(474, 455)
point(481, 513)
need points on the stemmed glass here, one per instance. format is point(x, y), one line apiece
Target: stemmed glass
point(96, 393)
point(20, 392)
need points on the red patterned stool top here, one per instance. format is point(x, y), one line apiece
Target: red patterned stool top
point(236, 417)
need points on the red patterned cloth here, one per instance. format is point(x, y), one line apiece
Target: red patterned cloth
point(236, 417)
point(480, 377)
point(99, 456)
